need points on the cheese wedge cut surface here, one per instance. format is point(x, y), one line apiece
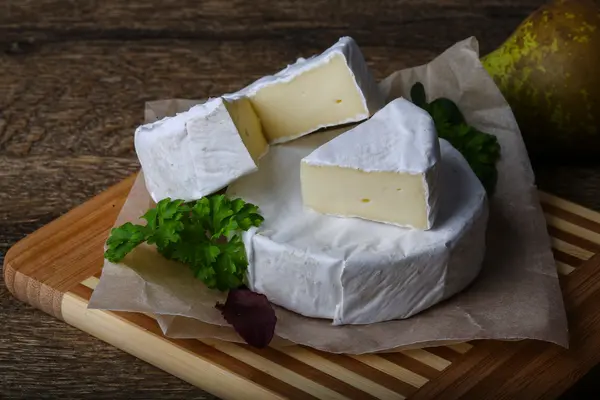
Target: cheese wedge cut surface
point(333, 88)
point(200, 151)
point(382, 170)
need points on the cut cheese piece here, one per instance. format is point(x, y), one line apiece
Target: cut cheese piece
point(333, 88)
point(200, 151)
point(248, 126)
point(385, 169)
point(351, 270)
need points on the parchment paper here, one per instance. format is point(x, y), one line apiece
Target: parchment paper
point(516, 296)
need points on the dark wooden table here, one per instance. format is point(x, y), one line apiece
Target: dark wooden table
point(74, 76)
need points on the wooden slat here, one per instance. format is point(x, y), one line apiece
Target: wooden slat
point(311, 388)
point(530, 369)
point(428, 358)
point(564, 269)
point(283, 363)
point(461, 348)
point(235, 370)
point(90, 282)
point(411, 364)
point(445, 353)
point(141, 336)
point(572, 228)
point(551, 200)
point(572, 218)
point(573, 239)
point(391, 368)
point(358, 387)
point(572, 250)
point(391, 382)
point(566, 258)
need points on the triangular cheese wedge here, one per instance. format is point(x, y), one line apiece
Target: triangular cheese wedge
point(200, 151)
point(382, 170)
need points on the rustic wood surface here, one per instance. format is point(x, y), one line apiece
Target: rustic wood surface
point(73, 80)
point(495, 370)
point(52, 270)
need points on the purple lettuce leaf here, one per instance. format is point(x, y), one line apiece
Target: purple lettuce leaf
point(251, 315)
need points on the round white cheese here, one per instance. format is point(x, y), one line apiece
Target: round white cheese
point(355, 271)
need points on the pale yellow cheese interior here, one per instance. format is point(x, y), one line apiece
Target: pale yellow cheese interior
point(390, 197)
point(248, 126)
point(326, 95)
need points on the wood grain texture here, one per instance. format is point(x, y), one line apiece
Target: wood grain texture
point(303, 22)
point(60, 264)
point(74, 76)
point(528, 369)
point(52, 262)
point(41, 280)
point(39, 353)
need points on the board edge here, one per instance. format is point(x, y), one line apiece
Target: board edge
point(30, 290)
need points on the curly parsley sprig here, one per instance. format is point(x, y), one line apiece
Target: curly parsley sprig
point(204, 234)
point(480, 149)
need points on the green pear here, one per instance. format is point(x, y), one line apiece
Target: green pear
point(549, 72)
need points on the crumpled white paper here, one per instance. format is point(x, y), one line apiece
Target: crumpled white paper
point(516, 296)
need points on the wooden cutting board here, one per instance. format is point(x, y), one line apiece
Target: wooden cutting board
point(57, 267)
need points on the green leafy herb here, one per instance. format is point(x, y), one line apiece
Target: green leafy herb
point(481, 150)
point(123, 240)
point(204, 234)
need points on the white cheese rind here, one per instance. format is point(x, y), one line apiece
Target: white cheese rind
point(363, 81)
point(354, 271)
point(197, 152)
point(400, 137)
point(433, 192)
point(385, 156)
